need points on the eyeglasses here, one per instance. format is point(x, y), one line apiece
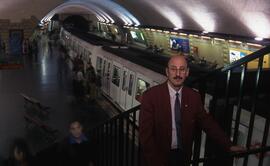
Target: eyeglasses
point(175, 69)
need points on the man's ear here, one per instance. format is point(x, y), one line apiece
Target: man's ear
point(167, 71)
point(187, 72)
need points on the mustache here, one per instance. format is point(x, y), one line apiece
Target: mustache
point(177, 77)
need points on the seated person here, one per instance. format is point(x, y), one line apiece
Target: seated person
point(75, 149)
point(160, 50)
point(155, 49)
point(150, 47)
point(202, 61)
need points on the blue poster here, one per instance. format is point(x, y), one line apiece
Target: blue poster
point(15, 42)
point(180, 45)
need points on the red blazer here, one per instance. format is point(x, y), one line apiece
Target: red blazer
point(155, 124)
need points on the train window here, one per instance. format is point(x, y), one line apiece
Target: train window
point(104, 65)
point(99, 65)
point(130, 84)
point(116, 76)
point(108, 69)
point(124, 80)
point(85, 54)
point(69, 42)
point(141, 87)
point(79, 49)
point(73, 45)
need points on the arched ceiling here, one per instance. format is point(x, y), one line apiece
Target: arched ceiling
point(238, 17)
point(105, 11)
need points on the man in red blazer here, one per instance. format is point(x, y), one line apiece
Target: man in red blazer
point(166, 137)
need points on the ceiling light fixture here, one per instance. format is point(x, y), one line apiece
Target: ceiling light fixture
point(258, 38)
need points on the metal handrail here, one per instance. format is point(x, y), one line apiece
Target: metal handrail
point(119, 116)
point(234, 154)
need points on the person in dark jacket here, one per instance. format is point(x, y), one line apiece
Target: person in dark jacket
point(76, 149)
point(170, 114)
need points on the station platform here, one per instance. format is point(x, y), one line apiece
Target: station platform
point(44, 79)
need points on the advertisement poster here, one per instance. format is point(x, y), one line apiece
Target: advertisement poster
point(234, 55)
point(180, 45)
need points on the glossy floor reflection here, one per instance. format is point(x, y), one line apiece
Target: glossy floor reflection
point(47, 79)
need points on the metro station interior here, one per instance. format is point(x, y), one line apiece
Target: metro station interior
point(91, 61)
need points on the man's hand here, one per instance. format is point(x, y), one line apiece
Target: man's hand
point(237, 149)
point(257, 145)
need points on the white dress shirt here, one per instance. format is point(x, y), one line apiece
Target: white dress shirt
point(172, 93)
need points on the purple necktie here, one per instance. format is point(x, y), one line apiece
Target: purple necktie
point(177, 119)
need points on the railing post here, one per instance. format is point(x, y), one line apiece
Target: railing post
point(265, 136)
point(115, 142)
point(253, 108)
point(133, 138)
point(121, 145)
point(197, 147)
point(111, 144)
point(127, 152)
point(239, 105)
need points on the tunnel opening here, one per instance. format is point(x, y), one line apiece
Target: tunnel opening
point(76, 22)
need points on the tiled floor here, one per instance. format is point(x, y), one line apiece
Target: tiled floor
point(48, 80)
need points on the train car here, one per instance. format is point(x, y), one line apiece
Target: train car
point(123, 82)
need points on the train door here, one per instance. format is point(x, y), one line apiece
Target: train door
point(123, 88)
point(115, 82)
point(106, 76)
point(99, 66)
point(103, 74)
point(130, 89)
point(142, 84)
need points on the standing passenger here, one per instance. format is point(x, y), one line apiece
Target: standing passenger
point(80, 84)
point(169, 115)
point(25, 46)
point(3, 47)
point(91, 81)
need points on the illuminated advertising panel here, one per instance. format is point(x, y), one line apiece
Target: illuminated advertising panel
point(180, 45)
point(234, 55)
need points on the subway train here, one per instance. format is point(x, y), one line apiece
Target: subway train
point(124, 81)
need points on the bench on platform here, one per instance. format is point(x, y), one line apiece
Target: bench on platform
point(33, 104)
point(50, 133)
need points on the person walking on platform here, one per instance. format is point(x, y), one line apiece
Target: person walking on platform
point(170, 114)
point(25, 46)
point(79, 84)
point(91, 81)
point(3, 48)
point(35, 48)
